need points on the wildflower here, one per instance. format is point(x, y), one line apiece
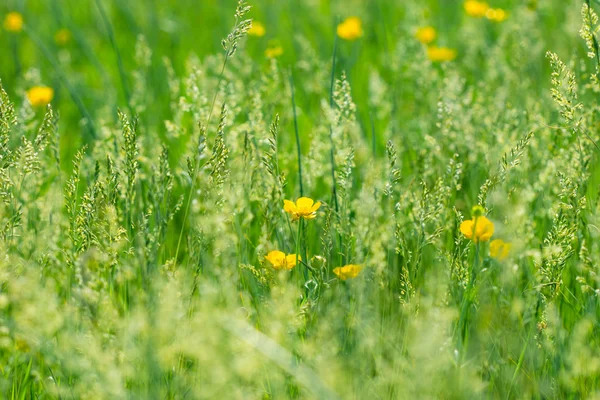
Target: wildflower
point(479, 229)
point(62, 37)
point(13, 22)
point(279, 260)
point(303, 208)
point(499, 249)
point(496, 15)
point(347, 271)
point(476, 9)
point(441, 54)
point(257, 29)
point(350, 28)
point(274, 51)
point(40, 95)
point(426, 34)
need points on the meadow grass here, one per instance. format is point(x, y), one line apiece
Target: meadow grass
point(215, 199)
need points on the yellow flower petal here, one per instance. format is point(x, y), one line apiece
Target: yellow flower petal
point(441, 54)
point(426, 34)
point(13, 22)
point(257, 29)
point(350, 28)
point(316, 206)
point(304, 203)
point(466, 227)
point(276, 258)
point(499, 249)
point(40, 95)
point(291, 260)
point(347, 271)
point(289, 206)
point(479, 229)
point(476, 9)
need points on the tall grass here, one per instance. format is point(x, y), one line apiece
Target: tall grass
point(133, 259)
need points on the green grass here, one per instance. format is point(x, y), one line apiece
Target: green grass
point(137, 209)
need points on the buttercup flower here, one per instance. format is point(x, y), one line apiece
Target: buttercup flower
point(499, 249)
point(304, 207)
point(279, 260)
point(478, 229)
point(350, 28)
point(273, 52)
point(13, 22)
point(257, 29)
point(40, 95)
point(62, 37)
point(496, 15)
point(476, 9)
point(347, 271)
point(426, 34)
point(441, 54)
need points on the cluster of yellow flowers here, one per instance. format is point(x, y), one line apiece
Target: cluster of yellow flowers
point(481, 229)
point(305, 208)
point(427, 35)
point(480, 9)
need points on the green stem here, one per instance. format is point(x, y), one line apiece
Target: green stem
point(297, 133)
point(113, 42)
point(58, 70)
point(332, 151)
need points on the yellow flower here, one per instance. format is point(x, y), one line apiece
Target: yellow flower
point(303, 208)
point(350, 28)
point(40, 95)
point(274, 51)
point(257, 29)
point(479, 229)
point(476, 9)
point(279, 260)
point(426, 34)
point(441, 54)
point(499, 249)
point(62, 37)
point(347, 271)
point(13, 22)
point(496, 15)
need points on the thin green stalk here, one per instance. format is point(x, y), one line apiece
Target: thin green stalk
point(332, 151)
point(373, 138)
point(113, 42)
point(16, 56)
point(196, 169)
point(58, 70)
point(298, 149)
point(298, 236)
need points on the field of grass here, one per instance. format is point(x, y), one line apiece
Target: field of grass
point(303, 199)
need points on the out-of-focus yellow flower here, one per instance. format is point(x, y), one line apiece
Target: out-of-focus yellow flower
point(476, 9)
point(347, 271)
point(496, 14)
point(62, 37)
point(274, 51)
point(426, 34)
point(40, 95)
point(499, 249)
point(478, 229)
point(257, 29)
point(279, 260)
point(304, 207)
point(13, 22)
point(350, 28)
point(441, 54)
